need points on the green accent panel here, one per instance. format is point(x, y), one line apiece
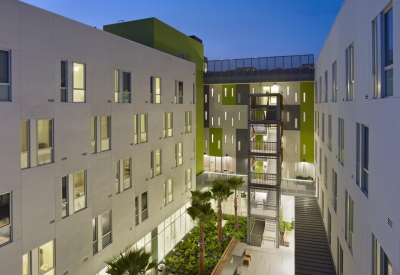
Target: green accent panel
point(307, 127)
point(214, 151)
point(229, 99)
point(158, 35)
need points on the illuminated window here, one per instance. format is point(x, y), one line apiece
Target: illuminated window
point(78, 83)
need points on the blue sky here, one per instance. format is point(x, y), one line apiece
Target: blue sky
point(229, 29)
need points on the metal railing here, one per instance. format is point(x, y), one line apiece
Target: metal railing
point(265, 147)
point(263, 178)
point(298, 187)
point(277, 68)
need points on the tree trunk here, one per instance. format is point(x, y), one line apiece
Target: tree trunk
point(219, 223)
point(236, 214)
point(201, 250)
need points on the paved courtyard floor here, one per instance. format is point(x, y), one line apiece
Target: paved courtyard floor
point(268, 260)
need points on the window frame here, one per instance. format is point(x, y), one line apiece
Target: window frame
point(73, 83)
point(144, 208)
point(155, 98)
point(84, 191)
point(168, 131)
point(350, 72)
point(27, 153)
point(8, 227)
point(334, 81)
point(108, 133)
point(64, 78)
point(9, 97)
point(46, 148)
point(178, 95)
point(188, 122)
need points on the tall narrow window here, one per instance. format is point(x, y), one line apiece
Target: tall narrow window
point(334, 189)
point(45, 141)
point(137, 210)
point(320, 160)
point(24, 144)
point(238, 115)
point(27, 264)
point(5, 94)
point(350, 72)
point(320, 89)
point(94, 134)
point(295, 97)
point(219, 121)
point(155, 163)
point(79, 83)
point(168, 130)
point(178, 92)
point(135, 129)
point(168, 195)
point(155, 90)
point(127, 173)
point(5, 218)
point(205, 98)
point(205, 115)
point(106, 228)
point(304, 116)
point(388, 65)
point(329, 132)
point(334, 81)
point(287, 91)
point(117, 177)
point(323, 127)
point(194, 149)
point(326, 86)
point(116, 85)
point(46, 258)
point(349, 234)
point(219, 98)
point(178, 154)
point(64, 77)
point(287, 116)
point(225, 115)
point(316, 92)
point(126, 87)
point(362, 151)
point(381, 263)
point(145, 213)
point(232, 121)
point(326, 172)
point(105, 133)
point(339, 258)
point(95, 236)
point(194, 94)
point(304, 97)
point(143, 128)
point(239, 146)
point(188, 179)
point(64, 197)
point(322, 204)
point(329, 227)
point(304, 149)
point(341, 141)
point(188, 122)
point(295, 123)
point(79, 191)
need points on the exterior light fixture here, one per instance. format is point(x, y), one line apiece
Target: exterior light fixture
point(275, 85)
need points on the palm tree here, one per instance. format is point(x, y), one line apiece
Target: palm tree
point(221, 191)
point(130, 262)
point(235, 183)
point(201, 212)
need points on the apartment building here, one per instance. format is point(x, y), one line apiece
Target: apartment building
point(98, 144)
point(356, 156)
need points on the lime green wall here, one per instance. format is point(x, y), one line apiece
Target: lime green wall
point(158, 35)
point(229, 99)
point(307, 127)
point(214, 151)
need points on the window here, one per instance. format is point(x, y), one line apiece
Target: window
point(106, 228)
point(145, 213)
point(388, 53)
point(287, 116)
point(45, 141)
point(329, 132)
point(287, 91)
point(362, 144)
point(381, 263)
point(341, 141)
point(295, 123)
point(304, 116)
point(168, 195)
point(79, 191)
point(295, 97)
point(320, 89)
point(232, 139)
point(315, 151)
point(178, 92)
point(219, 121)
point(225, 115)
point(155, 90)
point(64, 197)
point(287, 141)
point(116, 85)
point(322, 204)
point(205, 115)
point(304, 149)
point(178, 154)
point(238, 145)
point(232, 121)
point(339, 266)
point(188, 122)
point(206, 143)
point(318, 123)
point(168, 120)
point(123, 167)
point(143, 128)
point(323, 127)
point(64, 79)
point(126, 87)
point(349, 233)
point(105, 133)
point(5, 94)
point(205, 98)
point(194, 149)
point(239, 98)
point(316, 92)
point(225, 139)
point(79, 83)
point(194, 94)
point(95, 236)
point(5, 218)
point(304, 97)
point(94, 134)
point(219, 98)
point(350, 72)
point(188, 179)
point(155, 163)
point(334, 81)
point(320, 160)
point(45, 255)
point(238, 115)
point(326, 172)
point(334, 189)
point(326, 86)
point(212, 92)
point(136, 210)
point(24, 144)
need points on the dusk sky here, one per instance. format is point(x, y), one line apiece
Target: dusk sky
point(229, 29)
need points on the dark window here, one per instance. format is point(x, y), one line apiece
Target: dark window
point(126, 87)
